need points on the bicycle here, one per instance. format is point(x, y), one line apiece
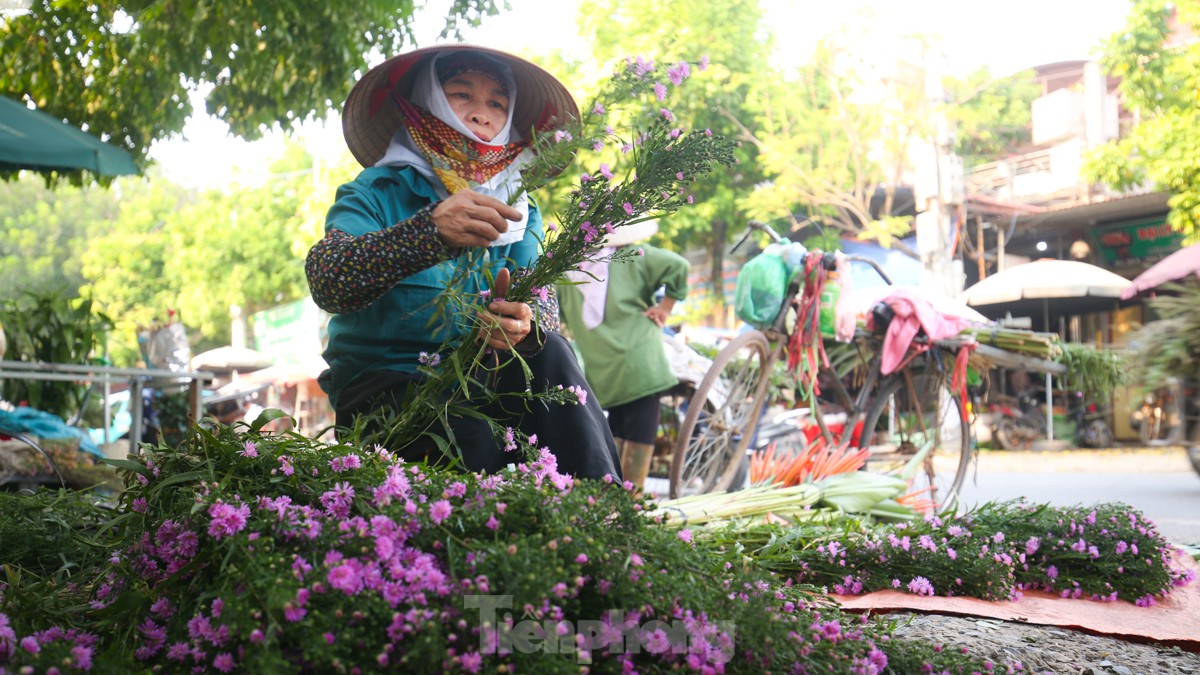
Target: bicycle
point(912, 415)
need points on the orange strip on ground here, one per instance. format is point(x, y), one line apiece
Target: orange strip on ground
point(1173, 620)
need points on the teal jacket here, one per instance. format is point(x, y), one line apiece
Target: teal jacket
point(382, 282)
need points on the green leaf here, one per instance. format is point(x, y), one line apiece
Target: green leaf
point(178, 478)
point(267, 416)
point(128, 465)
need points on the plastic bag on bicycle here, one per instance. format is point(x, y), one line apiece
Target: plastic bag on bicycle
point(762, 286)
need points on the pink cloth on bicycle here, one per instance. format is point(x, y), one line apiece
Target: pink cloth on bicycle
point(912, 313)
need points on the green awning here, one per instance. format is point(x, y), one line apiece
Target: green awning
point(33, 140)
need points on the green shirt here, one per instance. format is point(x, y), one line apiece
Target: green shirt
point(623, 357)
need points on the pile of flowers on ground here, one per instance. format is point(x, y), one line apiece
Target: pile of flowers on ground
point(248, 552)
point(1104, 552)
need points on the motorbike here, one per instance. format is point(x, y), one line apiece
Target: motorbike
point(1158, 417)
point(1017, 422)
point(1091, 425)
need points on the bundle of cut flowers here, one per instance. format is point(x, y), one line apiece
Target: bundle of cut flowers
point(241, 551)
point(1105, 552)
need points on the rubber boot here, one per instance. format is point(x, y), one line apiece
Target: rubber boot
point(635, 463)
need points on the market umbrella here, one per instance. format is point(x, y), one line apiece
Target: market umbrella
point(1039, 286)
point(1178, 265)
point(33, 140)
point(225, 359)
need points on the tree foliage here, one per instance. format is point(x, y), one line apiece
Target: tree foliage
point(41, 232)
point(122, 69)
point(737, 44)
point(835, 136)
point(992, 115)
point(1159, 81)
point(148, 246)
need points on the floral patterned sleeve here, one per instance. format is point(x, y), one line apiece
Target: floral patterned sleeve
point(546, 311)
point(347, 273)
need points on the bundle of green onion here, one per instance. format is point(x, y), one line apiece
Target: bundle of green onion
point(858, 492)
point(1041, 345)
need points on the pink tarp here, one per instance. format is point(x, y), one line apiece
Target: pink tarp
point(1174, 620)
point(1178, 265)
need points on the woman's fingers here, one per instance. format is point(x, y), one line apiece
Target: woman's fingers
point(467, 218)
point(507, 324)
point(504, 210)
point(500, 286)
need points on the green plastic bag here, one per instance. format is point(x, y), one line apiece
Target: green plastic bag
point(761, 287)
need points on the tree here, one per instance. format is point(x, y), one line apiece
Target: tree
point(200, 253)
point(840, 139)
point(732, 36)
point(991, 115)
point(832, 139)
point(1159, 81)
point(41, 232)
point(122, 69)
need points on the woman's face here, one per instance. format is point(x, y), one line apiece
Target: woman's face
point(479, 102)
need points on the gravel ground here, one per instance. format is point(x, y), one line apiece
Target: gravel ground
point(1047, 649)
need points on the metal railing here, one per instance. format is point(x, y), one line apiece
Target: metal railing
point(136, 378)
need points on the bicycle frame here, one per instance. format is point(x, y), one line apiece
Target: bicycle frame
point(708, 461)
point(778, 334)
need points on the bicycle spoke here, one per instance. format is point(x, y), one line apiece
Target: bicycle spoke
point(730, 394)
point(919, 411)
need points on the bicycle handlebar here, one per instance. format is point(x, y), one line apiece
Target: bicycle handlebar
point(828, 259)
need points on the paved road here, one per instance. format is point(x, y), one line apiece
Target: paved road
point(1158, 481)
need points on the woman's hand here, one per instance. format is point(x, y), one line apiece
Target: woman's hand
point(661, 312)
point(510, 322)
point(468, 218)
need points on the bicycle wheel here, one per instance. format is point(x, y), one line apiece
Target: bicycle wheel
point(674, 406)
point(721, 418)
point(909, 412)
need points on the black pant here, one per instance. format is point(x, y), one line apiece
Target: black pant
point(637, 420)
point(578, 435)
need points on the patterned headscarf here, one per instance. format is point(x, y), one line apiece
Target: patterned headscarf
point(436, 143)
point(458, 161)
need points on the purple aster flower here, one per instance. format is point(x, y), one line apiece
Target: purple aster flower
point(439, 511)
point(628, 208)
point(224, 662)
point(920, 586)
point(249, 450)
point(660, 91)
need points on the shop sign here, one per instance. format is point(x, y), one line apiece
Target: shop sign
point(293, 332)
point(1140, 242)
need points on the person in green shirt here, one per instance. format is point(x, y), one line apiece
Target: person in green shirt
point(611, 312)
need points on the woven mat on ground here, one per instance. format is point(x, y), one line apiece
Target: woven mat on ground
point(1174, 620)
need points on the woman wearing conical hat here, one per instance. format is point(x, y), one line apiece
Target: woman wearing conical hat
point(442, 133)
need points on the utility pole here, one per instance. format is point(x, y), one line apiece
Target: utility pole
point(939, 192)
